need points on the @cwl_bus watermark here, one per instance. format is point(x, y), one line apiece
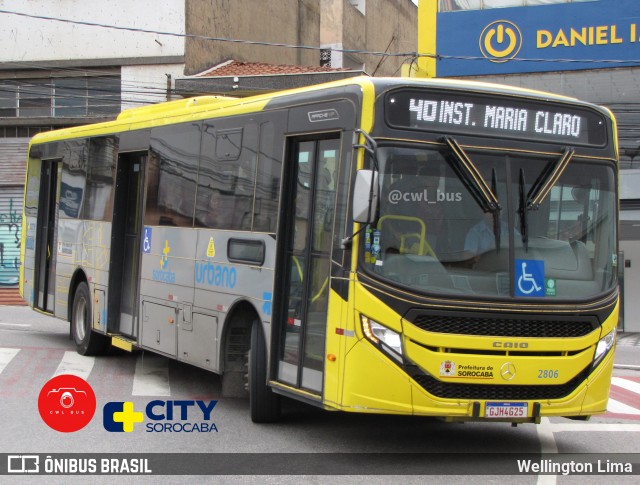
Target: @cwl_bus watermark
point(424, 195)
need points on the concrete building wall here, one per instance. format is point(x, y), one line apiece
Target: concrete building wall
point(392, 26)
point(374, 25)
point(143, 85)
point(631, 260)
point(381, 26)
point(293, 22)
point(25, 39)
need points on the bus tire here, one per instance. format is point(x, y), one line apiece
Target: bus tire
point(87, 341)
point(263, 402)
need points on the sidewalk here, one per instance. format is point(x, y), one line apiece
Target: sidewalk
point(10, 296)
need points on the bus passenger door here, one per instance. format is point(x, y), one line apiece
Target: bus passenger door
point(124, 270)
point(45, 277)
point(307, 215)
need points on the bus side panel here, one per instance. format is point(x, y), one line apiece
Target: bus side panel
point(166, 280)
point(222, 281)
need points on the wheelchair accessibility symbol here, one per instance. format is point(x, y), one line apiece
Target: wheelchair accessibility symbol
point(530, 277)
point(146, 240)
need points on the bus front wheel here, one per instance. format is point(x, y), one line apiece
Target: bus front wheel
point(87, 341)
point(264, 403)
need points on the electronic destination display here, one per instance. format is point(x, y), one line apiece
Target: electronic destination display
point(503, 117)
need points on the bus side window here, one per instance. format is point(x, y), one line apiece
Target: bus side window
point(177, 149)
point(226, 175)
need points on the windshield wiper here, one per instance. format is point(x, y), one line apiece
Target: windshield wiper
point(497, 230)
point(472, 179)
point(547, 179)
point(540, 189)
point(484, 196)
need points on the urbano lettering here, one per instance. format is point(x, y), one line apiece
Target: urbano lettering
point(216, 275)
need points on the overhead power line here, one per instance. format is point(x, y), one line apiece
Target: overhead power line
point(204, 37)
point(316, 48)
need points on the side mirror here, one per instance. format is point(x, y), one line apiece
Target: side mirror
point(365, 197)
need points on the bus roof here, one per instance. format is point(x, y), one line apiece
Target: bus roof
point(202, 107)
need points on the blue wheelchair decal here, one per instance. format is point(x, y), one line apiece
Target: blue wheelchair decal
point(530, 277)
point(146, 240)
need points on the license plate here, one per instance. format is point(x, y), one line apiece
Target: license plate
point(506, 410)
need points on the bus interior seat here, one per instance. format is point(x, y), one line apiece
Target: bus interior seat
point(562, 259)
point(408, 268)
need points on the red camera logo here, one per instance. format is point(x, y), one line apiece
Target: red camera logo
point(67, 403)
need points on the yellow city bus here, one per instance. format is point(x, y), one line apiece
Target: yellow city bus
point(421, 247)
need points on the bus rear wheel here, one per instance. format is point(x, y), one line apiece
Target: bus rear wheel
point(263, 402)
point(87, 341)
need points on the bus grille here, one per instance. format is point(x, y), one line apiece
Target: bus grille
point(503, 327)
point(452, 390)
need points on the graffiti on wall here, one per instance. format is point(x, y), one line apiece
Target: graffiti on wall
point(10, 225)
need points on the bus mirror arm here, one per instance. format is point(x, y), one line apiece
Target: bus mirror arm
point(346, 242)
point(370, 146)
point(365, 200)
point(365, 193)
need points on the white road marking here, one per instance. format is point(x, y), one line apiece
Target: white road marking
point(2, 324)
point(5, 357)
point(152, 376)
point(618, 407)
point(75, 364)
point(626, 384)
point(595, 427)
point(547, 445)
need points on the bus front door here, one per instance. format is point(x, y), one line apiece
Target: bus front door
point(308, 219)
point(124, 269)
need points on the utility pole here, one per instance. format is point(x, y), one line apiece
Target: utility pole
point(427, 13)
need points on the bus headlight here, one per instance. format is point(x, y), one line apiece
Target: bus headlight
point(383, 337)
point(604, 346)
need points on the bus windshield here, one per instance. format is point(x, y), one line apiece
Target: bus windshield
point(434, 234)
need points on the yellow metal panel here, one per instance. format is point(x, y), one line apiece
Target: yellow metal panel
point(339, 331)
point(486, 369)
point(599, 383)
point(427, 14)
point(122, 343)
point(152, 111)
point(426, 405)
point(373, 308)
point(374, 384)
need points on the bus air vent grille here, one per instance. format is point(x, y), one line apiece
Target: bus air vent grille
point(503, 327)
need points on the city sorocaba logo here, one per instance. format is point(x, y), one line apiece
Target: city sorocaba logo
point(67, 403)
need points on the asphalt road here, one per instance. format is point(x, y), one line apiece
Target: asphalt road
point(308, 445)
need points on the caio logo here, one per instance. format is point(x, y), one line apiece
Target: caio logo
point(67, 403)
point(500, 41)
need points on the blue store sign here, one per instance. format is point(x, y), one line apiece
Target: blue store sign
point(554, 37)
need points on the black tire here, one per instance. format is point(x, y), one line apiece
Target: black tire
point(263, 402)
point(87, 341)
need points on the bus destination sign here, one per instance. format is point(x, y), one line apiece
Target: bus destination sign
point(493, 116)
